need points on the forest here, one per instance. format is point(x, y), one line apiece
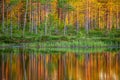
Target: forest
point(23, 21)
point(59, 39)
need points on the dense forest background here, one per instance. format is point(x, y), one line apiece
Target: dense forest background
point(47, 39)
point(58, 17)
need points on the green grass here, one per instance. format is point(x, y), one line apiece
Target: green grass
point(95, 38)
point(80, 46)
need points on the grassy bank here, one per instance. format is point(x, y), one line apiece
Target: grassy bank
point(95, 38)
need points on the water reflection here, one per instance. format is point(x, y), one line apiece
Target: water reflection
point(32, 65)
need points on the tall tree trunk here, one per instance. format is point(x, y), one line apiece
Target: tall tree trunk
point(18, 20)
point(95, 21)
point(7, 21)
point(87, 17)
point(64, 24)
point(77, 23)
point(99, 17)
point(37, 17)
point(40, 14)
point(34, 18)
point(107, 19)
point(25, 17)
point(32, 21)
point(117, 17)
point(11, 25)
point(30, 16)
point(46, 16)
point(69, 18)
point(3, 15)
point(110, 16)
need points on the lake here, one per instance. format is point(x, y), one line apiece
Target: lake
point(27, 64)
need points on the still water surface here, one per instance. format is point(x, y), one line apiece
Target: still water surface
point(33, 65)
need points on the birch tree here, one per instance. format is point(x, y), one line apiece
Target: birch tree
point(66, 8)
point(46, 4)
point(25, 17)
point(3, 15)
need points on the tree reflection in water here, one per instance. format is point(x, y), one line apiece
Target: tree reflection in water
point(59, 66)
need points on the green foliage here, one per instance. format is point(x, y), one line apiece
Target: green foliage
point(65, 6)
point(114, 33)
point(44, 2)
point(97, 33)
point(13, 2)
point(61, 3)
